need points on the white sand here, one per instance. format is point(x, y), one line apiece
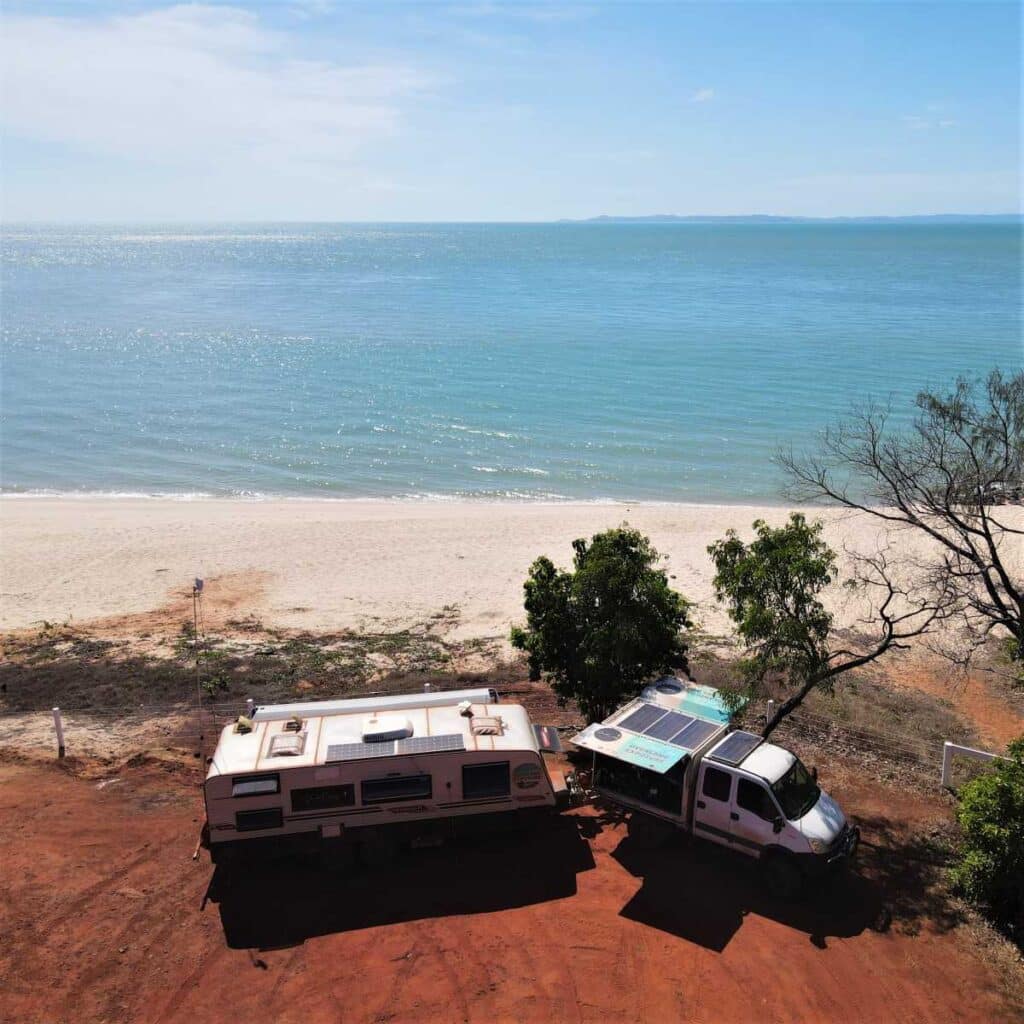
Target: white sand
point(330, 565)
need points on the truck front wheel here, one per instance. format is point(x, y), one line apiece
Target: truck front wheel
point(783, 875)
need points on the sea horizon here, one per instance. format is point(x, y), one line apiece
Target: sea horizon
point(549, 362)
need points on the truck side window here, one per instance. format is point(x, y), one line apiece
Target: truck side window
point(716, 783)
point(753, 797)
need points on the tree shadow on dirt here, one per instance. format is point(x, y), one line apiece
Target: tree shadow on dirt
point(283, 903)
point(702, 892)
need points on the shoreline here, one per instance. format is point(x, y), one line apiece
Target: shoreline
point(185, 497)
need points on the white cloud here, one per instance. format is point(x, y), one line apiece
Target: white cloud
point(920, 123)
point(702, 95)
point(193, 85)
point(543, 12)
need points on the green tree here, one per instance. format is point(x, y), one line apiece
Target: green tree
point(990, 868)
point(603, 629)
point(771, 588)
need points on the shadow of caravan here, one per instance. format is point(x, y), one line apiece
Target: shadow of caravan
point(283, 903)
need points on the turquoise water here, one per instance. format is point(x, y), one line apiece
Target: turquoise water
point(659, 362)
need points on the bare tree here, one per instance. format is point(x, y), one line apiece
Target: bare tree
point(950, 476)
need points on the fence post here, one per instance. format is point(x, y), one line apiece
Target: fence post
point(769, 712)
point(58, 724)
point(949, 749)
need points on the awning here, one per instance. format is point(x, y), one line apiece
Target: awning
point(626, 746)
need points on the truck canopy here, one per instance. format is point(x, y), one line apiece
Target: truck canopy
point(669, 720)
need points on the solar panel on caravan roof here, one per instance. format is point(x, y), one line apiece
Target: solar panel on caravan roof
point(665, 728)
point(431, 744)
point(359, 751)
point(735, 747)
point(643, 718)
point(694, 734)
point(388, 748)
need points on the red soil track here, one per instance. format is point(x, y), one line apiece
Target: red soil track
point(104, 917)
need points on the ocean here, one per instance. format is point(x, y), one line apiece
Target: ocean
point(658, 362)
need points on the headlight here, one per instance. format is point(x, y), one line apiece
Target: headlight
point(819, 845)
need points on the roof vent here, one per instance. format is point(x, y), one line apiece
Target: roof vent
point(287, 744)
point(668, 685)
point(485, 726)
point(380, 728)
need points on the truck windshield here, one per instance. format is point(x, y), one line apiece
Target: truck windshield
point(796, 791)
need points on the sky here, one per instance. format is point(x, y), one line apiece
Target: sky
point(314, 110)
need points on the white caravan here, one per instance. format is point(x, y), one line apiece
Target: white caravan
point(375, 769)
point(669, 753)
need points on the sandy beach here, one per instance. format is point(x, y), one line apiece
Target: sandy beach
point(323, 565)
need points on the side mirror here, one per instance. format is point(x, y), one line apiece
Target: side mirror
point(778, 824)
point(814, 773)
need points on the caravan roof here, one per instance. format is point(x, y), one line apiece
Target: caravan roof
point(369, 728)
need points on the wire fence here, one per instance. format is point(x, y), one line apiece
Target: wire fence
point(916, 753)
point(120, 730)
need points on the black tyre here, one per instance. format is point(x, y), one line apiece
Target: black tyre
point(784, 877)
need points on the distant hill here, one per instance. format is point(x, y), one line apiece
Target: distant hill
point(764, 218)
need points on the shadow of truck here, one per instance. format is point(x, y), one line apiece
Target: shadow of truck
point(701, 892)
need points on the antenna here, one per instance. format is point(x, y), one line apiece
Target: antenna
point(197, 589)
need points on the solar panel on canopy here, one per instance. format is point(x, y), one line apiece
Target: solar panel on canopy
point(694, 734)
point(643, 718)
point(359, 751)
point(665, 728)
point(735, 747)
point(430, 744)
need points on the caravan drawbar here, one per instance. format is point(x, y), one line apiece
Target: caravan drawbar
point(423, 765)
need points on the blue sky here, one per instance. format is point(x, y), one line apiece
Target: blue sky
point(320, 110)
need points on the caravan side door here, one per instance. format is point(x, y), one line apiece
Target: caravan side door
point(713, 803)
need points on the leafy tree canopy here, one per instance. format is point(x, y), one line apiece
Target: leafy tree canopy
point(600, 631)
point(771, 589)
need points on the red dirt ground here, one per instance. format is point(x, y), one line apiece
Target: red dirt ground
point(105, 917)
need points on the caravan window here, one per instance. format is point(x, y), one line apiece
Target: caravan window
point(399, 787)
point(483, 780)
point(256, 785)
point(257, 821)
point(319, 797)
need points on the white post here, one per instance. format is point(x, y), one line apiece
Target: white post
point(58, 724)
point(426, 687)
point(769, 712)
point(250, 706)
point(949, 749)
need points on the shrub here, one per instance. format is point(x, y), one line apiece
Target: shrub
point(990, 871)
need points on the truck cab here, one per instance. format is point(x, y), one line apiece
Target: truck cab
point(759, 799)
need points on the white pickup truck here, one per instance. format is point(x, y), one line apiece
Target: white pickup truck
point(669, 753)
